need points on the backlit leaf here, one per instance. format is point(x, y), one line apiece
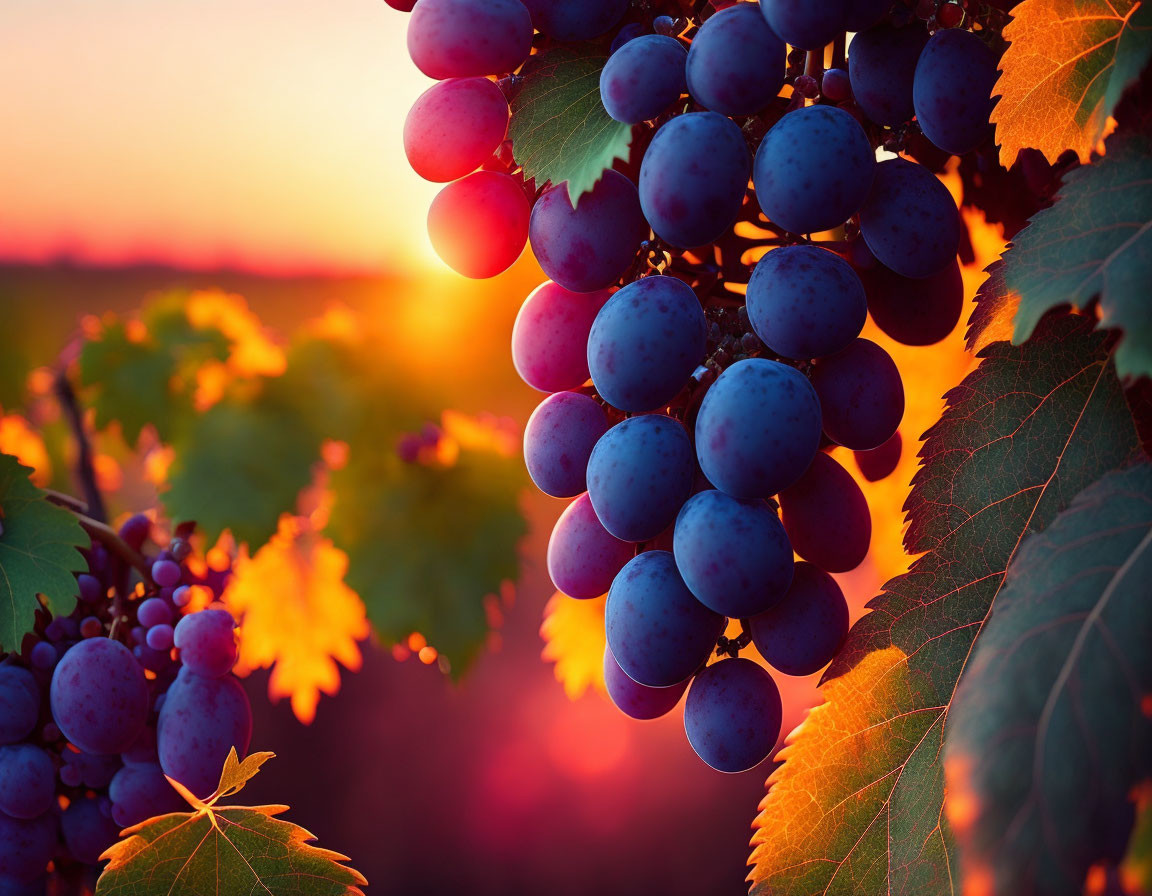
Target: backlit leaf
point(38, 553)
point(857, 806)
point(573, 633)
point(559, 129)
point(1046, 739)
point(1065, 70)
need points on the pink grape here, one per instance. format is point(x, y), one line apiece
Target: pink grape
point(454, 127)
point(479, 224)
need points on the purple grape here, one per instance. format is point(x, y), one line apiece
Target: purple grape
point(879, 463)
point(881, 63)
point(588, 248)
point(44, 656)
point(469, 38)
point(813, 169)
point(568, 21)
point(629, 32)
point(639, 475)
point(636, 700)
point(861, 395)
point(454, 127)
point(550, 336)
point(143, 751)
point(479, 224)
point(583, 558)
point(732, 715)
point(91, 591)
point(202, 719)
point(207, 642)
point(643, 78)
point(733, 555)
point(167, 573)
point(62, 628)
point(805, 302)
point(826, 517)
point(26, 846)
point(401, 5)
point(99, 696)
point(693, 178)
point(758, 428)
point(153, 611)
point(160, 637)
point(135, 530)
point(10, 886)
point(657, 630)
point(863, 14)
point(952, 90)
point(802, 633)
point(558, 441)
point(93, 770)
point(805, 24)
point(915, 312)
point(835, 85)
point(19, 703)
point(736, 65)
point(27, 781)
point(646, 342)
point(665, 25)
point(910, 221)
point(87, 830)
point(182, 596)
point(140, 792)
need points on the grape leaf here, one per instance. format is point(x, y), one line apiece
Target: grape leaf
point(298, 616)
point(573, 633)
point(559, 129)
point(38, 552)
point(1095, 241)
point(1137, 865)
point(857, 805)
point(1046, 738)
point(224, 849)
point(1066, 68)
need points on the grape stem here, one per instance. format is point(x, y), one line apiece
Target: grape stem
point(85, 468)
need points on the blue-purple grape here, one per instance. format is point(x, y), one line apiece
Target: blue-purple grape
point(207, 642)
point(202, 719)
point(643, 78)
point(469, 38)
point(862, 14)
point(805, 302)
point(479, 224)
point(550, 336)
point(589, 246)
point(802, 633)
point(99, 696)
point(91, 591)
point(27, 781)
point(629, 32)
point(813, 169)
point(645, 343)
point(952, 90)
point(636, 700)
point(826, 517)
point(733, 554)
point(10, 886)
point(836, 85)
point(159, 637)
point(881, 63)
point(135, 530)
point(657, 630)
point(166, 573)
point(805, 24)
point(87, 830)
point(693, 178)
point(19, 703)
point(639, 475)
point(92, 770)
point(454, 127)
point(915, 312)
point(558, 440)
point(139, 792)
point(26, 846)
point(583, 556)
point(758, 428)
point(880, 463)
point(909, 220)
point(566, 20)
point(861, 395)
point(732, 715)
point(153, 611)
point(736, 64)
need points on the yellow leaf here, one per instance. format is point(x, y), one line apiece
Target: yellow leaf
point(18, 438)
point(297, 615)
point(573, 632)
point(253, 353)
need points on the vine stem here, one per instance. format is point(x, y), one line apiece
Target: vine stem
point(85, 468)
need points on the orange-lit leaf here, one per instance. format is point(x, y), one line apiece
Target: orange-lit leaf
point(297, 615)
point(1136, 870)
point(225, 849)
point(573, 633)
point(1066, 67)
point(858, 805)
point(252, 351)
point(21, 441)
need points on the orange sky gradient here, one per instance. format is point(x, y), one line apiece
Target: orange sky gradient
point(262, 135)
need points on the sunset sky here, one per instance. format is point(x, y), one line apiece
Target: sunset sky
point(262, 135)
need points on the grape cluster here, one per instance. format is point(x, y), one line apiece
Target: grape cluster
point(100, 705)
point(700, 330)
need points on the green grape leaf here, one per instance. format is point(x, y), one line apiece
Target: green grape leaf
point(559, 129)
point(224, 849)
point(1067, 66)
point(1046, 739)
point(857, 805)
point(426, 543)
point(1094, 242)
point(238, 466)
point(38, 552)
